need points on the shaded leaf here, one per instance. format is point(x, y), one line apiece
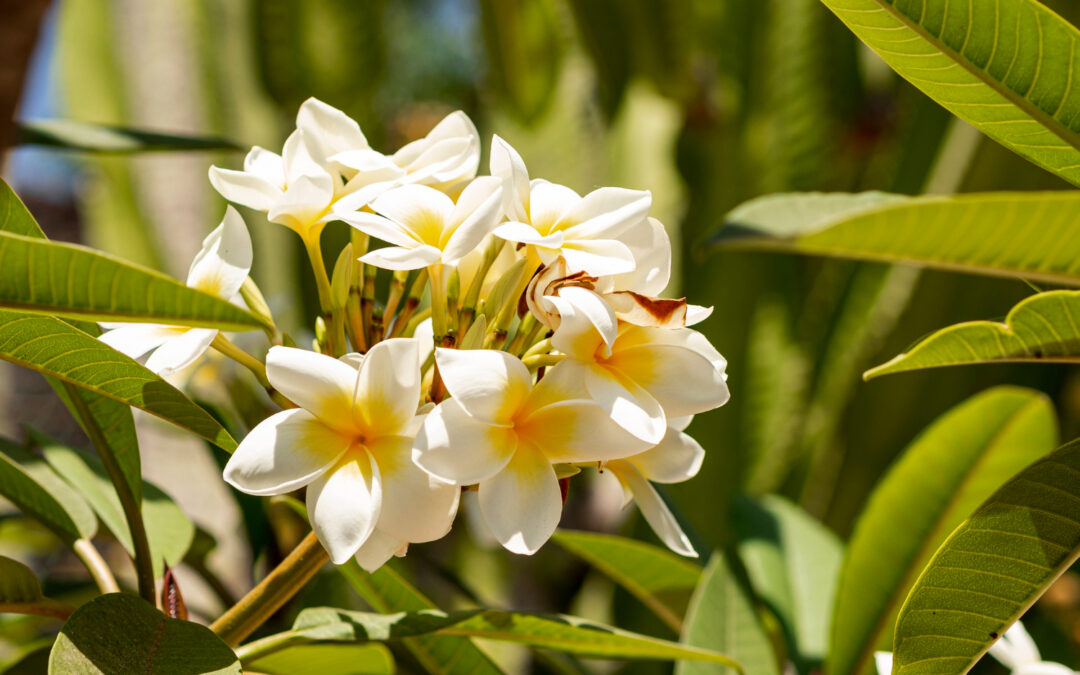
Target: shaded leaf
point(723, 617)
point(951, 468)
point(992, 567)
point(655, 576)
point(1044, 327)
point(1027, 234)
point(28, 483)
point(97, 138)
point(1009, 72)
point(326, 659)
point(120, 633)
point(14, 216)
point(20, 592)
point(523, 51)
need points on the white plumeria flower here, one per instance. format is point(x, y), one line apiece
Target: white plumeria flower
point(504, 433)
point(676, 458)
point(883, 661)
point(1017, 651)
point(427, 227)
point(219, 268)
point(639, 375)
point(350, 442)
point(553, 220)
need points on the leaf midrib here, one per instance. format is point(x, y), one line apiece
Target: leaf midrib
point(1048, 121)
point(910, 571)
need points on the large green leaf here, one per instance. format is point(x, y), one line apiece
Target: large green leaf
point(120, 633)
point(951, 468)
point(723, 617)
point(27, 482)
point(655, 576)
point(74, 135)
point(793, 563)
point(567, 634)
point(20, 592)
point(55, 348)
point(327, 659)
point(14, 217)
point(168, 528)
point(994, 566)
point(1044, 327)
point(1009, 70)
point(1034, 235)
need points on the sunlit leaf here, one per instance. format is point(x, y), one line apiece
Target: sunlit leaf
point(655, 576)
point(121, 633)
point(951, 468)
point(1044, 327)
point(27, 482)
point(20, 592)
point(723, 617)
point(55, 348)
point(96, 138)
point(992, 568)
point(793, 562)
point(1010, 70)
point(327, 659)
point(1034, 235)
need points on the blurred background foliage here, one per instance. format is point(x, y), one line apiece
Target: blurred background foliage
point(704, 103)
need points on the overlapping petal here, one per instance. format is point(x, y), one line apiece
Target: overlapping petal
point(181, 351)
point(522, 503)
point(344, 504)
point(387, 387)
point(415, 506)
point(490, 385)
point(317, 383)
point(459, 448)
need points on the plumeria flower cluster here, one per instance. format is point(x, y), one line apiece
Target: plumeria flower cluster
point(521, 341)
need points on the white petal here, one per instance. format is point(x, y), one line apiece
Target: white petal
point(458, 448)
point(388, 387)
point(577, 431)
point(506, 164)
point(1015, 648)
point(587, 305)
point(626, 403)
point(549, 203)
point(328, 131)
point(579, 335)
point(676, 458)
point(649, 244)
point(652, 506)
point(447, 161)
point(883, 661)
point(695, 314)
point(401, 258)
point(1044, 668)
point(522, 504)
point(598, 257)
point(424, 211)
point(682, 380)
point(267, 165)
point(297, 159)
point(304, 202)
point(317, 383)
point(245, 189)
point(378, 549)
point(478, 209)
point(343, 505)
point(490, 385)
point(527, 234)
point(381, 228)
point(607, 213)
point(284, 452)
point(415, 506)
point(224, 261)
point(181, 351)
point(135, 339)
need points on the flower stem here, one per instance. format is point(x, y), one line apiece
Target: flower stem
point(95, 564)
point(229, 349)
point(322, 281)
point(439, 311)
point(271, 593)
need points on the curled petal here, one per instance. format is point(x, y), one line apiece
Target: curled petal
point(476, 213)
point(522, 504)
point(267, 165)
point(328, 131)
point(181, 351)
point(652, 506)
point(224, 261)
point(318, 383)
point(388, 387)
point(460, 449)
point(415, 506)
point(676, 458)
point(606, 213)
point(695, 314)
point(245, 189)
point(507, 165)
point(284, 452)
point(642, 310)
point(490, 385)
point(136, 339)
point(649, 243)
point(583, 332)
point(343, 505)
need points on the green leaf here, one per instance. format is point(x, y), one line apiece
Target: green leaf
point(793, 562)
point(524, 51)
point(1011, 72)
point(951, 468)
point(120, 633)
point(27, 482)
point(567, 634)
point(14, 216)
point(72, 135)
point(55, 348)
point(20, 592)
point(723, 617)
point(327, 659)
point(1042, 328)
point(992, 568)
point(1028, 234)
point(57, 278)
point(661, 580)
point(168, 528)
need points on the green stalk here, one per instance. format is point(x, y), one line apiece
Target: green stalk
point(96, 565)
point(412, 303)
point(439, 312)
point(227, 348)
point(322, 281)
point(283, 582)
point(144, 570)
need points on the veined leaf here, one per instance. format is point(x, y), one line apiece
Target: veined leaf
point(723, 617)
point(1034, 235)
point(951, 468)
point(20, 592)
point(14, 216)
point(168, 528)
point(994, 566)
point(55, 348)
point(1010, 71)
point(327, 659)
point(27, 482)
point(793, 562)
point(560, 633)
point(121, 633)
point(659, 579)
point(64, 279)
point(73, 135)
point(1044, 327)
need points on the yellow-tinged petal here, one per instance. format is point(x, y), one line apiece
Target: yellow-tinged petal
point(682, 380)
point(344, 504)
point(577, 431)
point(522, 504)
point(415, 506)
point(320, 384)
point(458, 448)
point(388, 388)
point(490, 385)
